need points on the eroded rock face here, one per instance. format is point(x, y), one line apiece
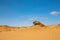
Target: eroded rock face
point(38, 23)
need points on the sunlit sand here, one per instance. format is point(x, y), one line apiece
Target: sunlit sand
point(37, 32)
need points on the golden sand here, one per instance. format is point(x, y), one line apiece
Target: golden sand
point(30, 33)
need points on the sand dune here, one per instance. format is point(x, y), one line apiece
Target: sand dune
point(51, 32)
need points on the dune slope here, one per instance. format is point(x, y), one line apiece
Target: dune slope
point(32, 33)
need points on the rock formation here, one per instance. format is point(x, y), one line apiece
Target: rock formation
point(38, 23)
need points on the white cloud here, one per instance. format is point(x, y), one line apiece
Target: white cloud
point(37, 18)
point(54, 13)
point(27, 20)
point(34, 18)
point(45, 18)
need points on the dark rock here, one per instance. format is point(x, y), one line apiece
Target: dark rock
point(38, 23)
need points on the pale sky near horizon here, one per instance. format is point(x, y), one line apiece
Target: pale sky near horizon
point(24, 12)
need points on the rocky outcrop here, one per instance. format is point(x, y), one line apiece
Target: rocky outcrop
point(38, 23)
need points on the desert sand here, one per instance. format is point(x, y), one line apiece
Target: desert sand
point(51, 32)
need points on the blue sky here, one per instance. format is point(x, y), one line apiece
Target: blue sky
point(24, 12)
